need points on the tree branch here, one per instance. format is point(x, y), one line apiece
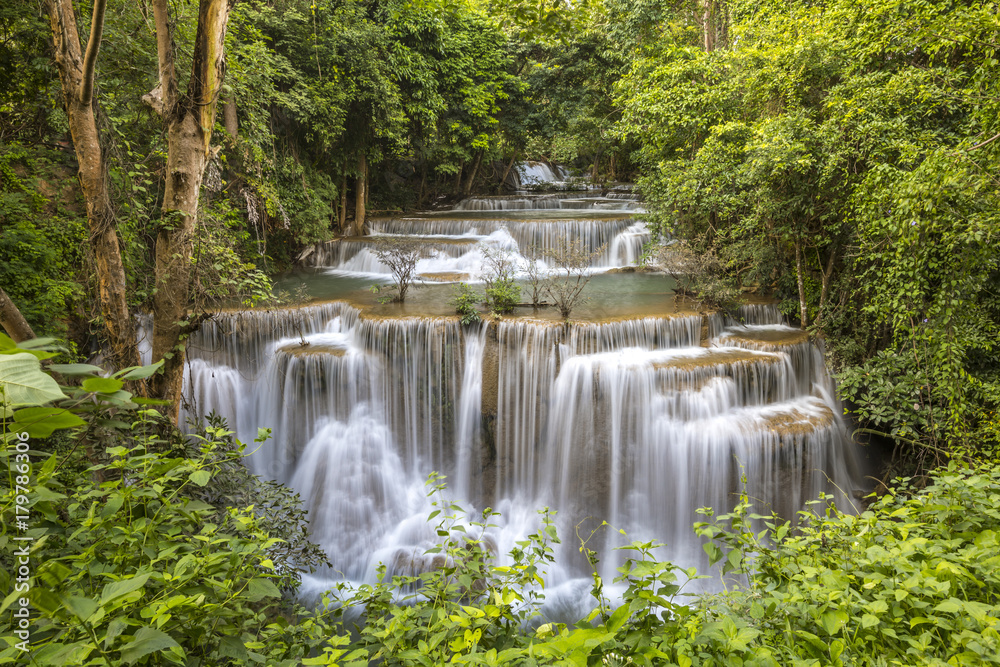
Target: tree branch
point(13, 321)
point(93, 46)
point(988, 141)
point(165, 57)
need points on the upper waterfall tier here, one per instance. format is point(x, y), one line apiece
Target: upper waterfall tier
point(636, 422)
point(455, 245)
point(562, 201)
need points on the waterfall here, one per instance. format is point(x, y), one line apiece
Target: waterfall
point(537, 173)
point(636, 422)
point(455, 245)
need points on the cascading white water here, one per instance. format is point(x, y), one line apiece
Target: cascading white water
point(538, 173)
point(456, 246)
point(630, 422)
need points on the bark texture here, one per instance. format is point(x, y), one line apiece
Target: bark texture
point(800, 278)
point(189, 119)
point(360, 196)
point(76, 72)
point(13, 321)
point(467, 190)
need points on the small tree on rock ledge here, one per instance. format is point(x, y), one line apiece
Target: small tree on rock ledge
point(571, 273)
point(400, 256)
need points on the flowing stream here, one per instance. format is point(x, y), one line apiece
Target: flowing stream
point(638, 421)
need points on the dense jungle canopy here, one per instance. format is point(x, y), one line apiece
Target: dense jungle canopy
point(171, 158)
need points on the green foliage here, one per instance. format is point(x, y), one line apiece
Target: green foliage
point(502, 293)
point(841, 157)
point(465, 301)
point(41, 235)
point(141, 555)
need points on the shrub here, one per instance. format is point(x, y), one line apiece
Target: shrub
point(401, 256)
point(502, 292)
point(465, 301)
point(571, 274)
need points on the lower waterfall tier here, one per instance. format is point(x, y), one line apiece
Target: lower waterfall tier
point(637, 423)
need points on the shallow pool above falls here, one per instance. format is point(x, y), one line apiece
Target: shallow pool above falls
point(637, 413)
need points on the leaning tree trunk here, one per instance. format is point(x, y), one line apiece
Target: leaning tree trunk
point(506, 171)
point(76, 71)
point(361, 196)
point(189, 119)
point(13, 321)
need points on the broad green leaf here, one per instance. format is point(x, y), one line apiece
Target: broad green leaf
point(102, 385)
point(116, 589)
point(42, 422)
point(83, 608)
point(147, 640)
point(22, 381)
point(115, 628)
point(232, 647)
point(75, 369)
point(261, 588)
point(139, 372)
point(201, 477)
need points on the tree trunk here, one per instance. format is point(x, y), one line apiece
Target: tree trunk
point(472, 175)
point(230, 121)
point(800, 277)
point(189, 120)
point(827, 275)
point(457, 187)
point(506, 171)
point(342, 211)
point(423, 185)
point(708, 22)
point(361, 196)
point(13, 321)
point(76, 71)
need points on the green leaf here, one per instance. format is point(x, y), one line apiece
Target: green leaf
point(232, 647)
point(41, 422)
point(139, 372)
point(83, 608)
point(102, 385)
point(117, 589)
point(147, 640)
point(115, 628)
point(22, 381)
point(75, 369)
point(261, 588)
point(201, 477)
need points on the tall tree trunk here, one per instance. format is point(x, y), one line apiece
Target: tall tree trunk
point(457, 187)
point(13, 321)
point(423, 184)
point(800, 277)
point(76, 71)
point(827, 275)
point(472, 175)
point(342, 211)
point(361, 196)
point(708, 22)
point(506, 171)
point(189, 119)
